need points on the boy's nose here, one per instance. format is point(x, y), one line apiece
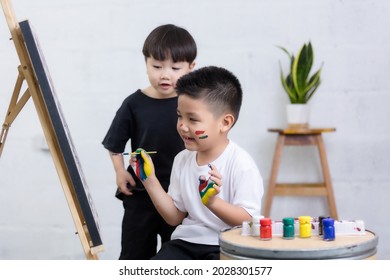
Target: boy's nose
point(164, 75)
point(182, 127)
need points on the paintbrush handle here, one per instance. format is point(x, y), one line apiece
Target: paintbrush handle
point(134, 153)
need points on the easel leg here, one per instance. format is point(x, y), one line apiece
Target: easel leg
point(274, 175)
point(3, 136)
point(14, 108)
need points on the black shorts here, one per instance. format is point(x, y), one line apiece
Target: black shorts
point(178, 249)
point(140, 226)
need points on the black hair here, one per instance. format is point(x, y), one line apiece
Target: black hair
point(220, 89)
point(170, 41)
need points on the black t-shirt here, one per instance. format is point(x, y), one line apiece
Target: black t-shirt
point(150, 124)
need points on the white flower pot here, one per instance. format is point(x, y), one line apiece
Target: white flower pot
point(298, 115)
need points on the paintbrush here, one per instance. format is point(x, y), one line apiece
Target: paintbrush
point(133, 153)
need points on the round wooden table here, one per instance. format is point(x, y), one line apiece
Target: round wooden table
point(235, 246)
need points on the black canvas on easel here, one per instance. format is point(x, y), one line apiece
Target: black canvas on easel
point(61, 131)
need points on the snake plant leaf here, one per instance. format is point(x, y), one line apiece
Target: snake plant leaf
point(286, 51)
point(313, 84)
point(288, 86)
point(301, 69)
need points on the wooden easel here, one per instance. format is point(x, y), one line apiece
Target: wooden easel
point(90, 239)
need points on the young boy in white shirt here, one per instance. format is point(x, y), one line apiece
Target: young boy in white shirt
point(214, 183)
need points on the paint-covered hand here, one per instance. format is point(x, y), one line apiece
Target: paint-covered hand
point(208, 189)
point(143, 164)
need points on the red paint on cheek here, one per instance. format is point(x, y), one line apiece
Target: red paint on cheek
point(199, 132)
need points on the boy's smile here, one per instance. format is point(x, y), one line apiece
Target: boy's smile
point(188, 140)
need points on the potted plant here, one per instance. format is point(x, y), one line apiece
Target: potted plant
point(299, 85)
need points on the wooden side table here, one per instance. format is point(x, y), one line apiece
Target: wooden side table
point(300, 137)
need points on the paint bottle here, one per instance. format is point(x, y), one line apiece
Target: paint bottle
point(256, 225)
point(328, 229)
point(304, 226)
point(320, 228)
point(288, 228)
point(265, 229)
point(246, 228)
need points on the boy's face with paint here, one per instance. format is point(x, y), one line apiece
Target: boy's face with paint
point(199, 127)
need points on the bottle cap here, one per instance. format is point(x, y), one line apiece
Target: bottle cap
point(288, 221)
point(304, 219)
point(328, 222)
point(265, 222)
point(256, 219)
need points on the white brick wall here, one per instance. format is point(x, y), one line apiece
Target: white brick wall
point(93, 51)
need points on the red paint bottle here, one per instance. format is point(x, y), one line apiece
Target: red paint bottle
point(265, 229)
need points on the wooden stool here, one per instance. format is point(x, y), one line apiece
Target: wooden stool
point(300, 137)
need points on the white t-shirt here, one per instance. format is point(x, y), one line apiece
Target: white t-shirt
point(242, 185)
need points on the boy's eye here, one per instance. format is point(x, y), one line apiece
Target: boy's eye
point(176, 68)
point(156, 66)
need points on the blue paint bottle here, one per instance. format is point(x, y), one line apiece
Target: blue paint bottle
point(328, 229)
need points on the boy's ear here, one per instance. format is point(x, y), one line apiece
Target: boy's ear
point(227, 122)
point(192, 65)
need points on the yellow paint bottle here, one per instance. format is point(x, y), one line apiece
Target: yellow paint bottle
point(304, 226)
